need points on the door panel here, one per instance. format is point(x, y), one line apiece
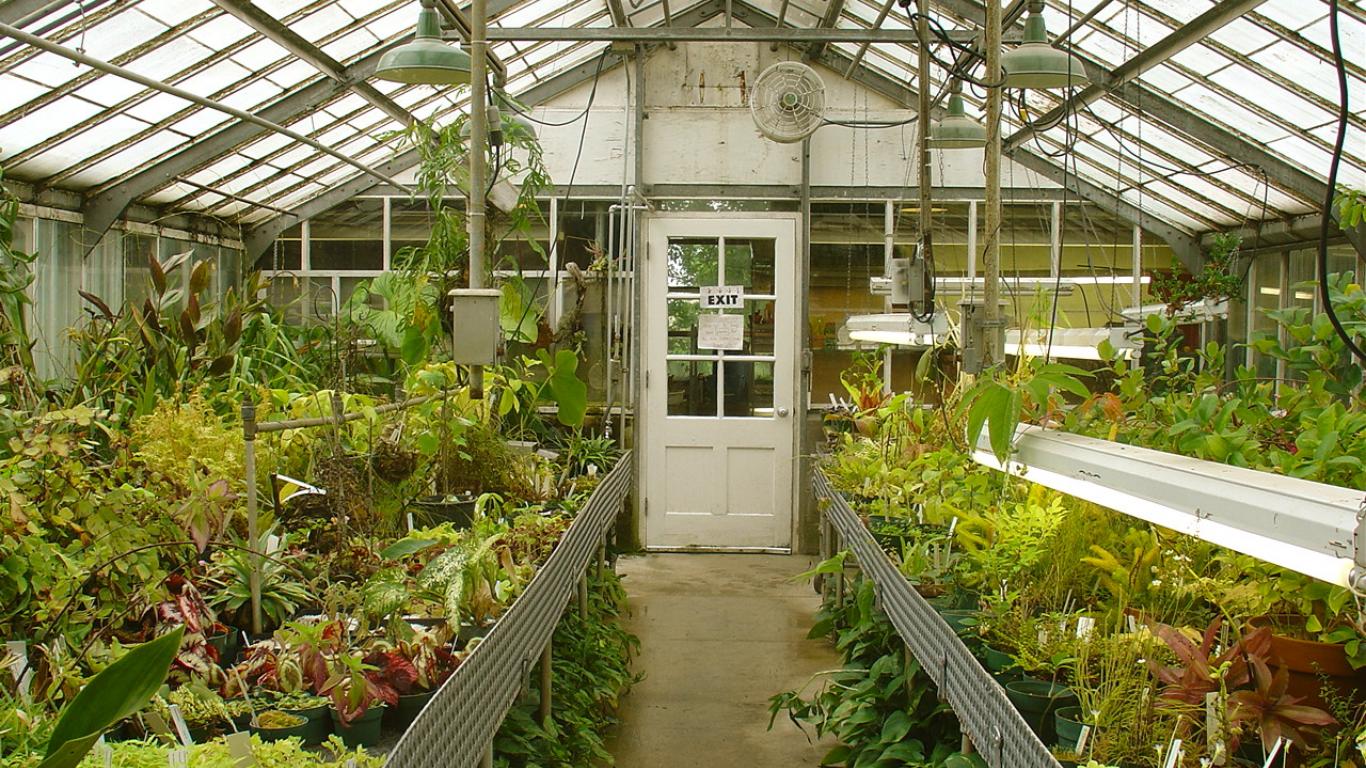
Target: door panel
point(719, 431)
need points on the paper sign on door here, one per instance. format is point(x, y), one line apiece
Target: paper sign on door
point(720, 331)
point(722, 296)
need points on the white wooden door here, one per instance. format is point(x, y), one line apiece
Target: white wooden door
point(720, 432)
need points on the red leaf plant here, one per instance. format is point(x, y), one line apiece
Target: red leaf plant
point(1274, 713)
point(1195, 675)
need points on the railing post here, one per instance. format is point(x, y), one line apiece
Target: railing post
point(253, 535)
point(583, 597)
point(487, 762)
point(602, 556)
point(546, 693)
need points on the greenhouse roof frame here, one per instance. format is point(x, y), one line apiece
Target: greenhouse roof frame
point(1169, 136)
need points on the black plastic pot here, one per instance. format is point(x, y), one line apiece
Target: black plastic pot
point(408, 709)
point(364, 731)
point(228, 645)
point(960, 620)
point(280, 734)
point(1037, 701)
point(434, 510)
point(318, 726)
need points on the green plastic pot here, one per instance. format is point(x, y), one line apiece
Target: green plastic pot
point(960, 620)
point(999, 663)
point(318, 727)
point(409, 707)
point(1037, 701)
point(280, 734)
point(1068, 725)
point(364, 731)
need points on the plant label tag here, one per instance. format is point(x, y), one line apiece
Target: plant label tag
point(157, 723)
point(182, 728)
point(350, 764)
point(1082, 737)
point(178, 758)
point(1062, 626)
point(1085, 626)
point(722, 296)
point(23, 675)
point(272, 544)
point(105, 753)
point(1132, 622)
point(239, 748)
point(592, 471)
point(1173, 754)
point(953, 524)
point(1043, 635)
point(1275, 750)
point(410, 522)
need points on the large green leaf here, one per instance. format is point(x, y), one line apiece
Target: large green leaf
point(121, 689)
point(566, 388)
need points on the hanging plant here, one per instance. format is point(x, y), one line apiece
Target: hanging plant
point(1216, 281)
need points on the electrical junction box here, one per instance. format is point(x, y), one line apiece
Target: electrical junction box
point(475, 332)
point(905, 283)
point(975, 335)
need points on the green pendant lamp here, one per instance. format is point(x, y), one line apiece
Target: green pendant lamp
point(1035, 63)
point(957, 130)
point(427, 60)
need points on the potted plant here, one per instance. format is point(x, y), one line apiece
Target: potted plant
point(415, 668)
point(275, 725)
point(359, 694)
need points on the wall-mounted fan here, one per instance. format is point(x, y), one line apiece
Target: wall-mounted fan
point(788, 101)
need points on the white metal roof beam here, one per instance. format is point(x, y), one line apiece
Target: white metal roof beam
point(1217, 17)
point(274, 30)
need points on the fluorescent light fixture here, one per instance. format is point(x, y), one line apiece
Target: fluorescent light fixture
point(1269, 291)
point(896, 328)
point(1070, 343)
point(1047, 281)
point(1302, 526)
point(1197, 312)
point(1302, 296)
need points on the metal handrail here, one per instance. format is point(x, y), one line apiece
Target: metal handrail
point(996, 729)
point(457, 727)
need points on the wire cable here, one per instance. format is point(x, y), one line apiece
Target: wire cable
point(1343, 113)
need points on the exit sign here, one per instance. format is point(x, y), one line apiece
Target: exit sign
point(722, 296)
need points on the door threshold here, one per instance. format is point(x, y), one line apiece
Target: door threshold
point(697, 549)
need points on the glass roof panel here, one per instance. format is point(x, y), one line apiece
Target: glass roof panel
point(119, 33)
point(175, 56)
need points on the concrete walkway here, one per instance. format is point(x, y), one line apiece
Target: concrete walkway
point(719, 635)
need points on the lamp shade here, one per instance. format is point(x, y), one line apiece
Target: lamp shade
point(427, 60)
point(1036, 64)
point(957, 130)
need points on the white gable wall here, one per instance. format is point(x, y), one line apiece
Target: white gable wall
point(698, 130)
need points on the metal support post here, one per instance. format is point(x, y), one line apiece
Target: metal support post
point(487, 762)
point(994, 352)
point(249, 462)
point(602, 556)
point(543, 712)
point(479, 142)
point(583, 597)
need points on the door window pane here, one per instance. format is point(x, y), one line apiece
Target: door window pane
point(749, 389)
point(693, 262)
point(749, 263)
point(692, 388)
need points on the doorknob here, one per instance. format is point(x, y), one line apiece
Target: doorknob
point(782, 413)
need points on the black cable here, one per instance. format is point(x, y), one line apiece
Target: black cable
point(1343, 113)
point(1074, 129)
point(961, 71)
point(515, 107)
point(872, 125)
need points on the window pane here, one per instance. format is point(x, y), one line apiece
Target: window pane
point(749, 263)
point(692, 263)
point(749, 389)
point(692, 388)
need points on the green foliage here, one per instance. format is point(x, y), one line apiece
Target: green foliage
point(590, 672)
point(1218, 279)
point(115, 693)
point(1351, 205)
point(880, 706)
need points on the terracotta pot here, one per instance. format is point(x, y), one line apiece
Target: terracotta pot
point(1307, 660)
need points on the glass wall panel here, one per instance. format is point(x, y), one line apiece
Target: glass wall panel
point(1266, 285)
point(847, 245)
point(56, 304)
point(348, 237)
